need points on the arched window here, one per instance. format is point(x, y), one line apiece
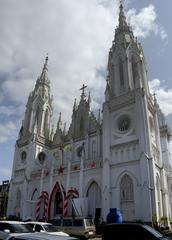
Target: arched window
point(135, 71)
point(127, 198)
point(33, 202)
point(46, 121)
point(18, 203)
point(126, 188)
point(37, 115)
point(94, 198)
point(81, 125)
point(121, 73)
point(34, 195)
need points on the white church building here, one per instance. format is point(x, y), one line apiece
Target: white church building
point(118, 159)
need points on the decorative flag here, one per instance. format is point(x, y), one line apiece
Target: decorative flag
point(93, 164)
point(60, 170)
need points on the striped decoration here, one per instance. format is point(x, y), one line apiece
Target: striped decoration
point(72, 193)
point(42, 198)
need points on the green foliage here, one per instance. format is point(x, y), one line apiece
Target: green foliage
point(164, 221)
point(154, 219)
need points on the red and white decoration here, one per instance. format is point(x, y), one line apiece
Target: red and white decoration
point(72, 193)
point(43, 198)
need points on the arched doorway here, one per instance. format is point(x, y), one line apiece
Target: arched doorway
point(127, 198)
point(56, 202)
point(94, 198)
point(33, 201)
point(18, 204)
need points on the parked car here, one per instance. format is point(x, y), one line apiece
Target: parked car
point(131, 231)
point(41, 236)
point(168, 233)
point(3, 235)
point(81, 227)
point(46, 227)
point(14, 227)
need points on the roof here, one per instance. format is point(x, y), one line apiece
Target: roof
point(12, 222)
point(40, 223)
point(43, 236)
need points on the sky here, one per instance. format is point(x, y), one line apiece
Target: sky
point(77, 35)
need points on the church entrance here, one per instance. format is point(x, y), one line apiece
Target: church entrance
point(18, 204)
point(56, 202)
point(94, 198)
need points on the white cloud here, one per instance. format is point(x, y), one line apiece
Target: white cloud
point(9, 111)
point(144, 22)
point(76, 34)
point(7, 130)
point(163, 95)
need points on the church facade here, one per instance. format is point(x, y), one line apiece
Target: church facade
point(119, 159)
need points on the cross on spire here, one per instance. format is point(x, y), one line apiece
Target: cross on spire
point(82, 89)
point(46, 59)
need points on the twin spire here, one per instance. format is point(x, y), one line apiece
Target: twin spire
point(44, 75)
point(122, 18)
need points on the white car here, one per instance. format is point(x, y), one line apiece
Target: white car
point(14, 227)
point(41, 236)
point(10, 229)
point(46, 227)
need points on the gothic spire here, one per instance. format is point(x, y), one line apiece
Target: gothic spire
point(123, 26)
point(122, 18)
point(44, 75)
point(59, 123)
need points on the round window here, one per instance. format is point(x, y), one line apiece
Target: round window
point(124, 123)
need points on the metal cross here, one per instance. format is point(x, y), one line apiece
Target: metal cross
point(83, 87)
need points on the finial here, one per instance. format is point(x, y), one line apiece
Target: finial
point(121, 5)
point(154, 98)
point(46, 60)
point(59, 123)
point(74, 105)
point(64, 129)
point(83, 87)
point(122, 18)
point(89, 98)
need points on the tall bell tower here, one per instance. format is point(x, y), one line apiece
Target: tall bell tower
point(32, 146)
point(39, 107)
point(132, 158)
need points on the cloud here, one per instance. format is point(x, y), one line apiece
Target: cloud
point(144, 22)
point(7, 130)
point(163, 95)
point(76, 34)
